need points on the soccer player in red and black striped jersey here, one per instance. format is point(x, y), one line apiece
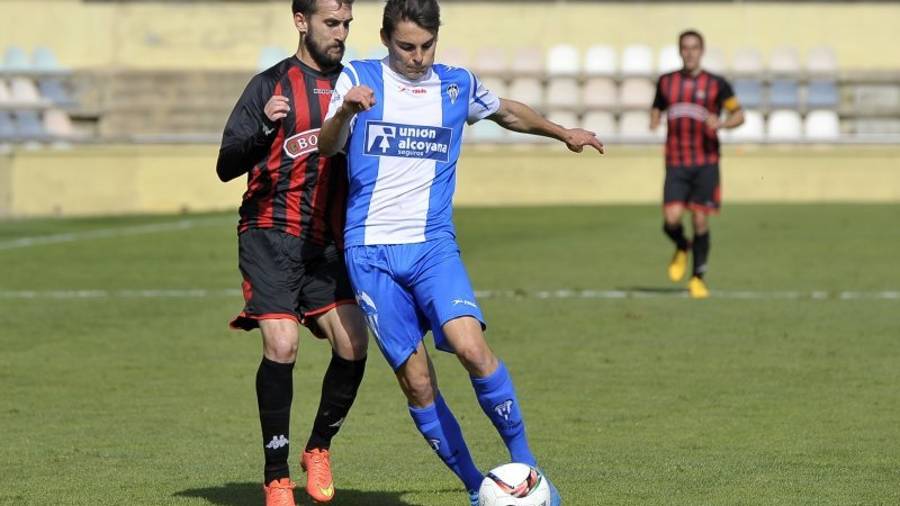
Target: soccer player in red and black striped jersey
point(694, 101)
point(290, 242)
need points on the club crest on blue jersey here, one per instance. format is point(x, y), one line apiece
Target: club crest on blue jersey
point(408, 141)
point(453, 92)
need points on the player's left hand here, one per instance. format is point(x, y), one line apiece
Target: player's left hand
point(577, 138)
point(713, 122)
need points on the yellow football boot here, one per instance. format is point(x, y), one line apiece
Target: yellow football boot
point(697, 288)
point(678, 265)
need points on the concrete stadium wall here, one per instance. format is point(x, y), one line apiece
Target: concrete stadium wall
point(166, 179)
point(229, 35)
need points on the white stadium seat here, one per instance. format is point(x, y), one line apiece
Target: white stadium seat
point(24, 91)
point(600, 60)
point(563, 60)
point(58, 123)
point(669, 60)
point(637, 93)
point(784, 126)
point(600, 122)
point(567, 119)
point(5, 95)
point(636, 125)
point(528, 61)
point(490, 60)
point(527, 90)
point(637, 60)
point(753, 129)
point(485, 131)
point(454, 56)
point(822, 126)
point(747, 61)
point(714, 60)
point(269, 56)
point(496, 85)
point(563, 92)
point(599, 93)
point(821, 61)
point(784, 61)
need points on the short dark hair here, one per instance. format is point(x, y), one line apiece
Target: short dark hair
point(425, 13)
point(309, 7)
point(690, 33)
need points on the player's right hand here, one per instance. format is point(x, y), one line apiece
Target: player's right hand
point(277, 108)
point(359, 99)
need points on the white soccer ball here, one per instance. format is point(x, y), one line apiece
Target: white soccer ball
point(514, 485)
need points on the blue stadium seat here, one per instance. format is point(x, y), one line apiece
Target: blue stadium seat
point(16, 59)
point(54, 91)
point(822, 94)
point(29, 126)
point(45, 60)
point(784, 93)
point(7, 127)
point(749, 92)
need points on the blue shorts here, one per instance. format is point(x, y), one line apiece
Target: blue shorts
point(405, 290)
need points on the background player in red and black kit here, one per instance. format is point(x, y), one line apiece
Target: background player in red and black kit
point(290, 242)
point(693, 100)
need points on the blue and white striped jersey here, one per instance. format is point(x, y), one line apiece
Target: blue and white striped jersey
point(402, 153)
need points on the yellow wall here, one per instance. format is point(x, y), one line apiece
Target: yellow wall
point(229, 35)
point(164, 179)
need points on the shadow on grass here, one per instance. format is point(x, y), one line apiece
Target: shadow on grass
point(250, 494)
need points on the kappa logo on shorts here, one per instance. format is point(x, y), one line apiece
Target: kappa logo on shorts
point(408, 141)
point(302, 143)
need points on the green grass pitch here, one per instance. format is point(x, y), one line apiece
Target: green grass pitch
point(109, 395)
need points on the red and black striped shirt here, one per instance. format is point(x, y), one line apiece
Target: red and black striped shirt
point(688, 102)
point(289, 186)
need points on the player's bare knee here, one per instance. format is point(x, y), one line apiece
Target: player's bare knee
point(479, 361)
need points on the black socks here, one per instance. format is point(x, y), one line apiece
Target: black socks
point(339, 387)
point(676, 233)
point(274, 392)
point(701, 253)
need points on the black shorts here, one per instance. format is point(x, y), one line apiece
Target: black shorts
point(696, 188)
point(287, 278)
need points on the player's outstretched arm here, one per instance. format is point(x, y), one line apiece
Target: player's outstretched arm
point(519, 117)
point(336, 128)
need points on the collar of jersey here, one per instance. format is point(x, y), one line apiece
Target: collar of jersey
point(401, 77)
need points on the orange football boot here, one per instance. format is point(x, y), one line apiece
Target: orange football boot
point(319, 482)
point(280, 493)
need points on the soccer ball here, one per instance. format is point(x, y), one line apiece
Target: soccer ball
point(514, 485)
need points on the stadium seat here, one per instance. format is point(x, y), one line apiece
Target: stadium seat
point(635, 125)
point(599, 93)
point(822, 125)
point(669, 60)
point(714, 61)
point(563, 92)
point(58, 124)
point(527, 90)
point(23, 91)
point(496, 85)
point(747, 62)
point(567, 119)
point(784, 61)
point(485, 131)
point(784, 126)
point(29, 126)
point(563, 60)
point(53, 90)
point(749, 92)
point(600, 60)
point(784, 93)
point(376, 52)
point(637, 60)
point(269, 56)
point(7, 127)
point(600, 122)
point(753, 129)
point(490, 61)
point(45, 60)
point(454, 56)
point(637, 93)
point(527, 61)
point(821, 61)
point(15, 59)
point(822, 94)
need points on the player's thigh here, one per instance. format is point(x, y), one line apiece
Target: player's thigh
point(676, 193)
point(270, 279)
point(443, 291)
point(706, 197)
point(389, 308)
point(345, 328)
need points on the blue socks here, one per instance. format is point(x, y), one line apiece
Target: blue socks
point(497, 397)
point(440, 428)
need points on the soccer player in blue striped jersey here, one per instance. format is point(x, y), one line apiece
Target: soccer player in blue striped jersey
point(400, 121)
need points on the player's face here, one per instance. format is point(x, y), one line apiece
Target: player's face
point(691, 52)
point(410, 49)
point(326, 30)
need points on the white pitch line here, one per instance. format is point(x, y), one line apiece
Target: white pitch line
point(107, 233)
point(200, 293)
